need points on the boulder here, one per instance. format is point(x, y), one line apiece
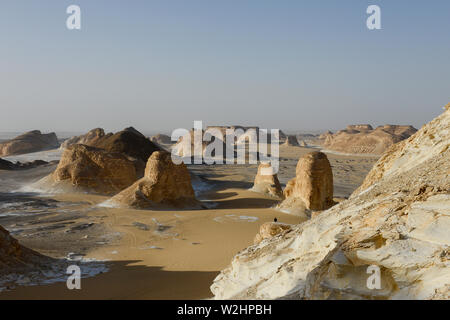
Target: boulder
point(312, 187)
point(397, 222)
point(267, 182)
point(269, 230)
point(95, 170)
point(32, 141)
point(164, 184)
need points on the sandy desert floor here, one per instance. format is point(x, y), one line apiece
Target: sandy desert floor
point(155, 254)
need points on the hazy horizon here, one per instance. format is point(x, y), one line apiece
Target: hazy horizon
point(160, 65)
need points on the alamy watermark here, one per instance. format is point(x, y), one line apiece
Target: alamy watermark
point(73, 22)
point(74, 279)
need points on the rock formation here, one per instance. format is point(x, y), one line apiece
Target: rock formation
point(95, 170)
point(312, 187)
point(161, 139)
point(397, 221)
point(270, 230)
point(8, 165)
point(32, 141)
point(129, 142)
point(364, 139)
point(303, 143)
point(165, 184)
point(267, 182)
point(291, 141)
point(88, 139)
point(13, 256)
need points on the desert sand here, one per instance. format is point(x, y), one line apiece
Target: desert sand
point(158, 254)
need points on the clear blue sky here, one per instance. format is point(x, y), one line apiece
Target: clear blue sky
point(161, 64)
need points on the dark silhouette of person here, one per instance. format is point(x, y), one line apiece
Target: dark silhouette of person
point(275, 220)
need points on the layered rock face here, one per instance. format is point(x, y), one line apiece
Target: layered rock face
point(88, 139)
point(266, 182)
point(32, 141)
point(312, 185)
point(95, 170)
point(164, 184)
point(364, 139)
point(398, 221)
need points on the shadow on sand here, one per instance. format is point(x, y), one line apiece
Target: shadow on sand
point(125, 280)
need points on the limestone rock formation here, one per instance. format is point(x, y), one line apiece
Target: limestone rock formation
point(397, 221)
point(266, 182)
point(269, 230)
point(161, 139)
point(129, 142)
point(303, 143)
point(95, 170)
point(32, 141)
point(13, 256)
point(8, 165)
point(88, 139)
point(165, 184)
point(312, 187)
point(291, 141)
point(364, 139)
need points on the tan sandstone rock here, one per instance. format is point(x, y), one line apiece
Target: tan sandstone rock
point(165, 184)
point(32, 141)
point(13, 256)
point(312, 187)
point(95, 170)
point(270, 230)
point(397, 221)
point(88, 139)
point(364, 139)
point(266, 182)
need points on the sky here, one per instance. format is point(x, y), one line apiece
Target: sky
point(158, 65)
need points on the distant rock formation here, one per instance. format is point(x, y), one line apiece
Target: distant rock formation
point(269, 230)
point(312, 187)
point(267, 182)
point(161, 139)
point(364, 139)
point(32, 141)
point(325, 135)
point(94, 170)
point(129, 142)
point(165, 184)
point(291, 141)
point(396, 222)
point(8, 165)
point(88, 139)
point(302, 143)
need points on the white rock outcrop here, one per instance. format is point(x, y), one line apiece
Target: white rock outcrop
point(398, 221)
